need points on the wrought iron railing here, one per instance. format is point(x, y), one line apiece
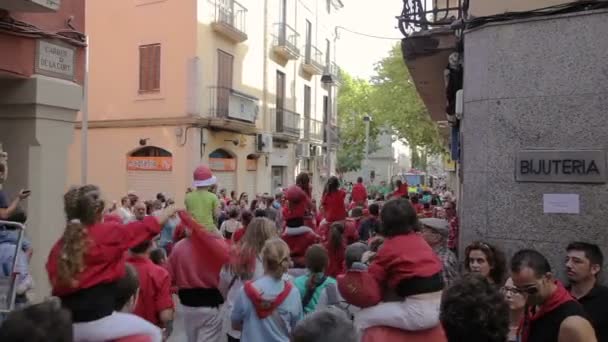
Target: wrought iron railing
point(286, 36)
point(286, 121)
point(422, 15)
point(227, 103)
point(231, 13)
point(314, 56)
point(313, 129)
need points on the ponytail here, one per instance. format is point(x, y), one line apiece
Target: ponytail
point(83, 207)
point(276, 257)
point(336, 239)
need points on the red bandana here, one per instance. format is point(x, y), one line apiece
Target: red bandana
point(263, 307)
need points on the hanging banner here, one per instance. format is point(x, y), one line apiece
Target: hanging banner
point(149, 163)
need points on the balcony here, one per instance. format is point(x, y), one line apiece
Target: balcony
point(285, 42)
point(314, 63)
point(286, 124)
point(232, 110)
point(331, 74)
point(229, 20)
point(314, 130)
point(423, 15)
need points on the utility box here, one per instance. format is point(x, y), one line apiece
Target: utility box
point(30, 5)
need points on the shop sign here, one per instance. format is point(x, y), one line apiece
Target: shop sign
point(55, 60)
point(561, 166)
point(222, 164)
point(149, 163)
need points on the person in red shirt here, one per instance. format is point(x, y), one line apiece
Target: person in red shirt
point(401, 190)
point(194, 266)
point(359, 193)
point(418, 207)
point(85, 264)
point(303, 181)
point(427, 211)
point(351, 229)
point(334, 206)
point(297, 235)
point(154, 303)
point(406, 266)
point(336, 249)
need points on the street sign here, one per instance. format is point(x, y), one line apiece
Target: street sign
point(55, 59)
point(561, 166)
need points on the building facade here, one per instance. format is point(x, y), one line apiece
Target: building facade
point(41, 75)
point(246, 87)
point(525, 102)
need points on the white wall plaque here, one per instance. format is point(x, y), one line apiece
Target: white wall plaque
point(53, 59)
point(561, 204)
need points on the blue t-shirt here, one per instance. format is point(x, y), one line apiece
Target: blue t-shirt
point(267, 329)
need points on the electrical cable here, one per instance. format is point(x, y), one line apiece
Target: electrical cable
point(365, 34)
point(15, 27)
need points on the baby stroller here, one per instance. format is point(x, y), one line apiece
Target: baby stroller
point(8, 272)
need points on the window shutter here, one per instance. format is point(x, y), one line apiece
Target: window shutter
point(149, 68)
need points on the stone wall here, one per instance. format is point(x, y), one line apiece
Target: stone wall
point(538, 83)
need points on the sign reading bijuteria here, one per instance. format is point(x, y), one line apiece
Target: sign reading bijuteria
point(561, 166)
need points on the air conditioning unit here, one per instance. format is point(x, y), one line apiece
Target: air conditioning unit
point(263, 143)
point(303, 150)
point(30, 5)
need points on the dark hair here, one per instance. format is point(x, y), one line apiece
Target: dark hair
point(359, 179)
point(531, 259)
point(473, 310)
point(591, 250)
point(161, 197)
point(317, 260)
point(427, 205)
point(336, 235)
point(303, 181)
point(326, 325)
point(374, 209)
point(398, 183)
point(398, 218)
point(332, 185)
point(434, 201)
point(253, 205)
point(125, 200)
point(356, 212)
point(234, 213)
point(246, 217)
point(259, 213)
point(242, 195)
point(158, 255)
point(414, 199)
point(125, 288)
point(142, 247)
point(232, 194)
point(44, 322)
point(496, 259)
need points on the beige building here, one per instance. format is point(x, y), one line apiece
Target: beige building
point(247, 87)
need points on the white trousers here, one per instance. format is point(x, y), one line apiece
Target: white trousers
point(201, 324)
point(412, 314)
point(115, 326)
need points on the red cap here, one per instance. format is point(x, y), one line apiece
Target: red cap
point(298, 203)
point(203, 177)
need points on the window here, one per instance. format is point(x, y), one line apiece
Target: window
point(149, 68)
point(307, 101)
point(327, 51)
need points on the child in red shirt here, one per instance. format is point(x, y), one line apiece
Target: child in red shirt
point(297, 236)
point(336, 248)
point(334, 206)
point(154, 302)
point(84, 265)
point(405, 266)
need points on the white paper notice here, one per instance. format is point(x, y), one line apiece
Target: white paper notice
point(561, 204)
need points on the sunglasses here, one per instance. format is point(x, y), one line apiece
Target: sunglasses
point(510, 290)
point(529, 289)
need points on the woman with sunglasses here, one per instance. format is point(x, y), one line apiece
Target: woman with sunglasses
point(489, 261)
point(517, 304)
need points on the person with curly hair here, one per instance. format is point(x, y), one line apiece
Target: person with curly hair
point(473, 310)
point(487, 260)
point(88, 260)
point(44, 322)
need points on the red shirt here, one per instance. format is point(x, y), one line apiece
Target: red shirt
point(333, 206)
point(105, 255)
point(402, 191)
point(336, 260)
point(299, 242)
point(238, 235)
point(154, 289)
point(359, 193)
point(351, 230)
point(401, 257)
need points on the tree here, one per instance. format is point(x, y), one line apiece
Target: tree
point(354, 102)
point(392, 101)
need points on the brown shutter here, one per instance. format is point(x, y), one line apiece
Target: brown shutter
point(149, 68)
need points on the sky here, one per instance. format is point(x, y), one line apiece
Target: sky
point(357, 54)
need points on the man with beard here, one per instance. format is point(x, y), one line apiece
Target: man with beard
point(584, 263)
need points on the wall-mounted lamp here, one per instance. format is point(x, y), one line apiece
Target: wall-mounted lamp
point(143, 142)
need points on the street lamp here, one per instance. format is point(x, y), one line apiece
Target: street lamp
point(328, 80)
point(366, 120)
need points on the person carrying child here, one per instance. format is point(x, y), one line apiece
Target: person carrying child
point(406, 268)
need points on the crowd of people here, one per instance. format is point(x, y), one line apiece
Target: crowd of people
point(359, 264)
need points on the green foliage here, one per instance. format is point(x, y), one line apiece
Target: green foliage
point(391, 99)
